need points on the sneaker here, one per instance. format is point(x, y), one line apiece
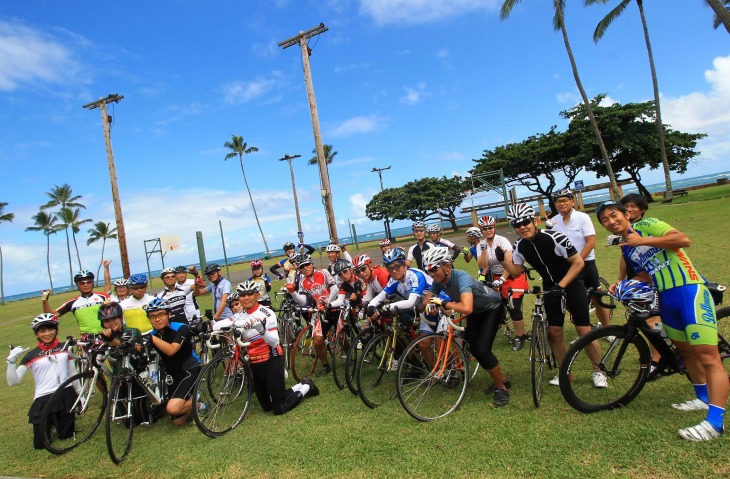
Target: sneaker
point(555, 381)
point(599, 380)
point(519, 342)
point(489, 390)
point(691, 405)
point(325, 370)
point(313, 389)
point(501, 398)
point(704, 431)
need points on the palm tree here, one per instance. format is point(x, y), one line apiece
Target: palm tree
point(47, 224)
point(238, 148)
point(722, 13)
point(559, 24)
point(101, 231)
point(329, 155)
point(63, 196)
point(3, 218)
point(70, 217)
point(597, 35)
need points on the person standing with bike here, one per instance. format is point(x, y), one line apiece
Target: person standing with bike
point(553, 256)
point(482, 308)
point(685, 306)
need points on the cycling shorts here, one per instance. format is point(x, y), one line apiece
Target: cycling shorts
point(590, 274)
point(688, 314)
point(576, 302)
point(182, 383)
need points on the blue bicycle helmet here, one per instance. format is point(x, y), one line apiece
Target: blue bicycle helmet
point(630, 290)
point(157, 304)
point(394, 255)
point(140, 278)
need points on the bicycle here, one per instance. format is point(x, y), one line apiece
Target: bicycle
point(433, 374)
point(344, 340)
point(222, 392)
point(88, 406)
point(130, 391)
point(289, 321)
point(200, 333)
point(304, 355)
point(626, 362)
point(354, 353)
point(541, 354)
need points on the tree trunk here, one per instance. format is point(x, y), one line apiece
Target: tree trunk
point(70, 266)
point(76, 245)
point(98, 270)
point(48, 260)
point(659, 125)
point(722, 14)
point(642, 189)
point(253, 207)
point(586, 102)
point(2, 291)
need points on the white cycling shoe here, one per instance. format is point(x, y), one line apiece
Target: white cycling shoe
point(691, 405)
point(701, 432)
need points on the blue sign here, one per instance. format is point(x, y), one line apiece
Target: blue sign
point(579, 185)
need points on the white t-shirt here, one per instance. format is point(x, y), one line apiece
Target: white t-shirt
point(579, 226)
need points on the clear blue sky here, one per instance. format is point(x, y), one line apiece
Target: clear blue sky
point(423, 86)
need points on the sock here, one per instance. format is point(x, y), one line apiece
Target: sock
point(304, 389)
point(701, 391)
point(715, 416)
point(297, 387)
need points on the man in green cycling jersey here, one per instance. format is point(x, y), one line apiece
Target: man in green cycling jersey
point(85, 306)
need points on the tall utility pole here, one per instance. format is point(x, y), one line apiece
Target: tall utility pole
point(300, 231)
point(105, 121)
point(379, 171)
point(301, 39)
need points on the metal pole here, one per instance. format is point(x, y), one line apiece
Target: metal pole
point(379, 171)
point(225, 257)
point(201, 250)
point(300, 231)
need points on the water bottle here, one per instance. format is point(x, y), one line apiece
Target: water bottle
point(658, 328)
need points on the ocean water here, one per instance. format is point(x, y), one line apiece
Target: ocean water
point(463, 221)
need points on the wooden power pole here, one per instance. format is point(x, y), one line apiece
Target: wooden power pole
point(300, 231)
point(301, 39)
point(105, 120)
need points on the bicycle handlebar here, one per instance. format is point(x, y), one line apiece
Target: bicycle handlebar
point(453, 325)
point(599, 294)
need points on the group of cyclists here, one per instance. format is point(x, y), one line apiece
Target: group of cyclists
point(418, 282)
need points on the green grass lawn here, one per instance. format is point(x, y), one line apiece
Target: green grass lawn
point(335, 435)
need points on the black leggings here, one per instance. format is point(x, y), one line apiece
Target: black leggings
point(268, 382)
point(481, 329)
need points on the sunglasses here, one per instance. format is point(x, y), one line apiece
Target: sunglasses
point(561, 201)
point(169, 276)
point(607, 204)
point(433, 269)
point(487, 228)
point(521, 224)
point(138, 286)
point(394, 267)
point(159, 314)
point(247, 293)
point(85, 281)
point(361, 269)
point(302, 266)
point(419, 231)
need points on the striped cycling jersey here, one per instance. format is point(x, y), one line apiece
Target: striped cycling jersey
point(548, 252)
point(85, 309)
point(669, 268)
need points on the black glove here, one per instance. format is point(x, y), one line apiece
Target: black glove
point(556, 291)
point(499, 253)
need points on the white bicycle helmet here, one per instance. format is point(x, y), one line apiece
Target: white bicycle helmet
point(45, 319)
point(474, 232)
point(520, 213)
point(434, 228)
point(333, 247)
point(436, 257)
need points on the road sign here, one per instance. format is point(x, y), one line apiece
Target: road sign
point(579, 185)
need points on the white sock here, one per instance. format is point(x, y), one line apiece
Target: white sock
point(297, 387)
point(304, 389)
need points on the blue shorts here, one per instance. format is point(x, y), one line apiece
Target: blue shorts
point(688, 314)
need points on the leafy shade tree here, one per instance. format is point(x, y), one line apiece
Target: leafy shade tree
point(722, 13)
point(46, 223)
point(101, 231)
point(63, 197)
point(70, 217)
point(329, 155)
point(597, 35)
point(559, 24)
point(3, 218)
point(630, 134)
point(419, 200)
point(239, 148)
point(537, 162)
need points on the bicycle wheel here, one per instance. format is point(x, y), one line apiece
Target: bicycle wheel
point(604, 287)
point(303, 356)
point(539, 357)
point(353, 357)
point(338, 349)
point(428, 392)
point(223, 395)
point(120, 417)
point(376, 371)
point(624, 362)
point(288, 337)
point(83, 402)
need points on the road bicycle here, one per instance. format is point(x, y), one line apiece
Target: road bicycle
point(289, 318)
point(344, 340)
point(304, 357)
point(354, 353)
point(89, 391)
point(222, 391)
point(200, 333)
point(627, 359)
point(134, 398)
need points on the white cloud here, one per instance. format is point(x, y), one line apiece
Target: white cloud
point(178, 112)
point(420, 11)
point(443, 53)
point(414, 94)
point(357, 124)
point(358, 202)
point(29, 57)
point(568, 97)
point(240, 91)
point(451, 156)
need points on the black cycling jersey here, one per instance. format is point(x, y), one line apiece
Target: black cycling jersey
point(183, 359)
point(548, 252)
point(176, 298)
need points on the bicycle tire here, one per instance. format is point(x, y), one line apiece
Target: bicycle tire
point(353, 356)
point(88, 408)
point(120, 417)
point(376, 374)
point(424, 391)
point(303, 356)
point(538, 358)
point(611, 301)
point(338, 350)
point(625, 365)
point(224, 386)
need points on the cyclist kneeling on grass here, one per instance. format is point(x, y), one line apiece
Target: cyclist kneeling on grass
point(265, 355)
point(481, 305)
point(172, 341)
point(686, 308)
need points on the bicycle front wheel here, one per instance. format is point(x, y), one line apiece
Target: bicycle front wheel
point(303, 355)
point(432, 379)
point(74, 412)
point(339, 349)
point(120, 417)
point(624, 363)
point(222, 395)
point(539, 357)
point(376, 371)
point(353, 357)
